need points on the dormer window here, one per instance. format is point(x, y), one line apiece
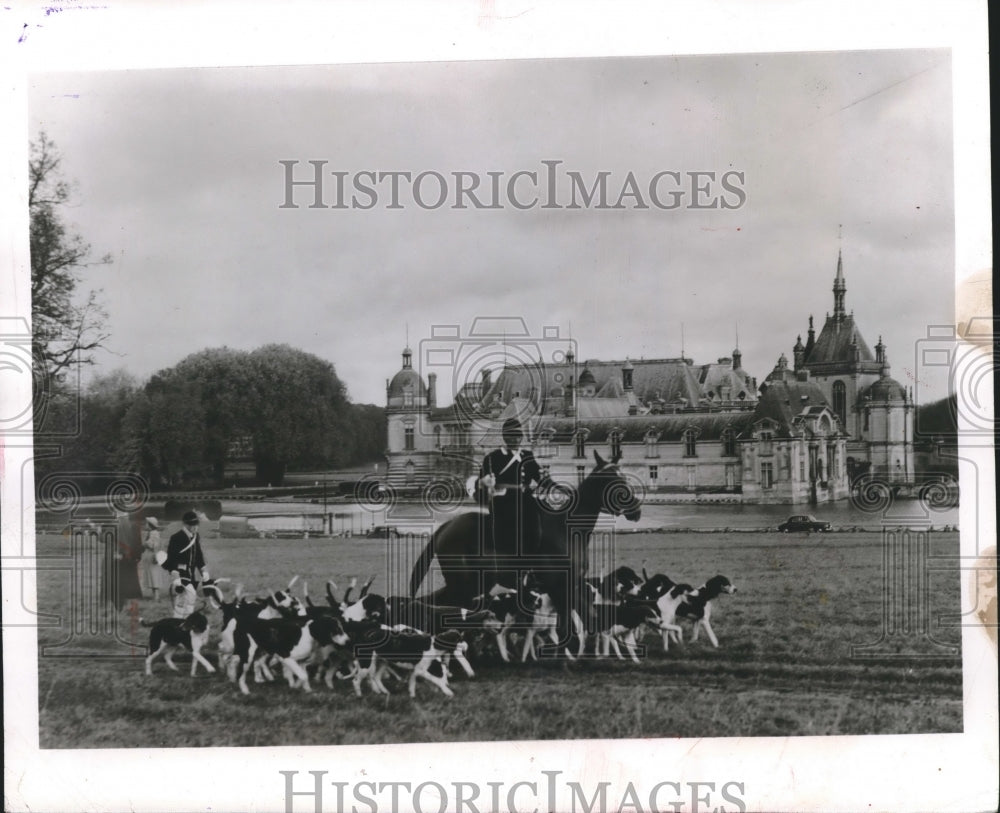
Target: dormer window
point(765, 438)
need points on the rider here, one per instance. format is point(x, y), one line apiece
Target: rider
point(505, 485)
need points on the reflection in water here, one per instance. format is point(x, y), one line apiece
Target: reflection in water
point(416, 517)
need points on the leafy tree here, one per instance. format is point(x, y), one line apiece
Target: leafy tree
point(64, 330)
point(368, 434)
point(183, 425)
point(938, 417)
point(176, 428)
point(301, 415)
point(103, 406)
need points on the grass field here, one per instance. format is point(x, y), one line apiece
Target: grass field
point(784, 665)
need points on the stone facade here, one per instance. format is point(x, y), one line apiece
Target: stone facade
point(705, 431)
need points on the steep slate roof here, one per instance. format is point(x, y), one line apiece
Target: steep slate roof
point(634, 427)
point(833, 345)
point(712, 377)
point(669, 379)
point(782, 401)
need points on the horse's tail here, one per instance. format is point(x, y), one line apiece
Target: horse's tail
point(422, 565)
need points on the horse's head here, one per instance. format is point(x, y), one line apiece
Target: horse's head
point(611, 492)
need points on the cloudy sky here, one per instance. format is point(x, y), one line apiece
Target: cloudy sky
point(177, 176)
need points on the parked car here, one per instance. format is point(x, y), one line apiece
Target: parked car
point(803, 522)
point(383, 532)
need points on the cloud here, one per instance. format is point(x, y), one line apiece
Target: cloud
point(178, 178)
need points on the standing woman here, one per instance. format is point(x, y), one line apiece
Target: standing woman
point(153, 577)
point(123, 550)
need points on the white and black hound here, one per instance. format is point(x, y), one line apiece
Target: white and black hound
point(378, 648)
point(622, 622)
point(697, 605)
point(280, 604)
point(290, 640)
point(169, 634)
point(616, 585)
point(668, 597)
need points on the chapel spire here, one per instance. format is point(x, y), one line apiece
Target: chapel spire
point(839, 289)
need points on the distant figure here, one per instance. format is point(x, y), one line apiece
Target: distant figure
point(185, 563)
point(151, 575)
point(121, 563)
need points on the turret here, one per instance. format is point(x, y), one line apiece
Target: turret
point(627, 371)
point(799, 353)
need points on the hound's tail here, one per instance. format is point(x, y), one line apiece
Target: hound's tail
point(422, 565)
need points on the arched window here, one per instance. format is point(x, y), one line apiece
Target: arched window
point(652, 443)
point(728, 443)
point(840, 401)
point(579, 441)
point(616, 444)
point(437, 437)
point(690, 443)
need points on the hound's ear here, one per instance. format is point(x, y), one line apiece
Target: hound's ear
point(601, 462)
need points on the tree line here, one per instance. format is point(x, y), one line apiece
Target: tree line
point(278, 407)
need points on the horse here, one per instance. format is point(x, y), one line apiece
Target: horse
point(464, 550)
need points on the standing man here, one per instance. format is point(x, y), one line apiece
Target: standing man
point(505, 487)
point(185, 562)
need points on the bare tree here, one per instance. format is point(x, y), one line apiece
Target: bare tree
point(65, 326)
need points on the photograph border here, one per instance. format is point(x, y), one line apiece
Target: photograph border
point(946, 772)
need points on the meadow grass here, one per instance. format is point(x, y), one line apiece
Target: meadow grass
point(784, 665)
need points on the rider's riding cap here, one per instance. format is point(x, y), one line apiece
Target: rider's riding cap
point(512, 426)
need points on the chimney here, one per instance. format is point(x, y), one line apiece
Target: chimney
point(432, 390)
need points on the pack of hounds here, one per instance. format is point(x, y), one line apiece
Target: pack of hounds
point(372, 639)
